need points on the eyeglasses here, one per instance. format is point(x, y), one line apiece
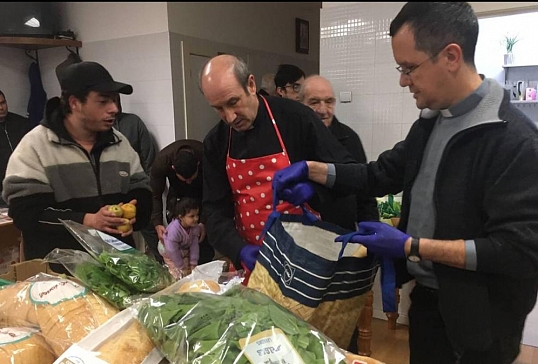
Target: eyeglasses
point(296, 87)
point(407, 71)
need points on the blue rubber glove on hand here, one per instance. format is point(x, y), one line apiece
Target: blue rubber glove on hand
point(379, 238)
point(288, 177)
point(249, 255)
point(299, 194)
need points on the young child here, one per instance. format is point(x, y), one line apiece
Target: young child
point(180, 250)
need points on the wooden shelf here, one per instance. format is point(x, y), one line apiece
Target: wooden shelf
point(529, 102)
point(33, 43)
point(519, 65)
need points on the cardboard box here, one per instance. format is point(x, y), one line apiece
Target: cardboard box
point(26, 269)
point(10, 243)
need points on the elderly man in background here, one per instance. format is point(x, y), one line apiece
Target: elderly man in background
point(318, 94)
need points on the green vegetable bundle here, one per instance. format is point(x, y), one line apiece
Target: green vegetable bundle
point(93, 275)
point(389, 208)
point(99, 280)
point(206, 328)
point(137, 270)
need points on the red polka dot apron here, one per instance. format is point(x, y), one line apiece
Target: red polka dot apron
point(251, 180)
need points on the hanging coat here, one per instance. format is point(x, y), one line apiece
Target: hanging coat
point(38, 96)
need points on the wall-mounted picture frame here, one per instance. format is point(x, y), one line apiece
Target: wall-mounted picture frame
point(302, 36)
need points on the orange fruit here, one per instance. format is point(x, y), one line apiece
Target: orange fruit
point(129, 210)
point(116, 209)
point(124, 228)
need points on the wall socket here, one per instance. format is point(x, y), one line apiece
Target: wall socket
point(345, 96)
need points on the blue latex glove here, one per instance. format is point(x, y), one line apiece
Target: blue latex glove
point(288, 177)
point(299, 194)
point(379, 238)
point(249, 255)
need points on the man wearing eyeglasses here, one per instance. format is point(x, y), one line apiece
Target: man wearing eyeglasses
point(468, 173)
point(288, 81)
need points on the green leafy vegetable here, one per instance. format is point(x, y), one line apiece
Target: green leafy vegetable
point(103, 283)
point(389, 208)
point(206, 328)
point(137, 270)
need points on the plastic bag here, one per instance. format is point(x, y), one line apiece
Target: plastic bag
point(241, 326)
point(139, 271)
point(62, 309)
point(205, 278)
point(120, 340)
point(20, 345)
point(93, 275)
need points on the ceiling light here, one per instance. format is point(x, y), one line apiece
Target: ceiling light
point(34, 23)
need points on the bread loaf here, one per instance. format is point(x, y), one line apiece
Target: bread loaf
point(15, 307)
point(66, 311)
point(200, 285)
point(20, 345)
point(130, 346)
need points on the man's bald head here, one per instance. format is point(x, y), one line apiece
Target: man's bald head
point(314, 81)
point(230, 89)
point(318, 94)
point(221, 69)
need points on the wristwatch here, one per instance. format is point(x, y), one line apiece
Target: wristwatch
point(414, 255)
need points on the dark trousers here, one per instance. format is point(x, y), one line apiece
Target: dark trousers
point(428, 341)
point(152, 239)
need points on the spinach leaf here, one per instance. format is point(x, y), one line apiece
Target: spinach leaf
point(206, 328)
point(137, 270)
point(106, 285)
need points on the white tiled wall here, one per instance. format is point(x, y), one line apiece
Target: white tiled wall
point(356, 56)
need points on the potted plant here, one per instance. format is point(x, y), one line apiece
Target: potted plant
point(509, 42)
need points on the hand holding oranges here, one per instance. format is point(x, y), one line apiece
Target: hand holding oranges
point(127, 211)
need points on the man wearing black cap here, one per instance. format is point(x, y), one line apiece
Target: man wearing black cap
point(74, 165)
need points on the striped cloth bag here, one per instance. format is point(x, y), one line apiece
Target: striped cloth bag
point(303, 269)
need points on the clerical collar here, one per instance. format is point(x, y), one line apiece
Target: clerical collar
point(468, 103)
